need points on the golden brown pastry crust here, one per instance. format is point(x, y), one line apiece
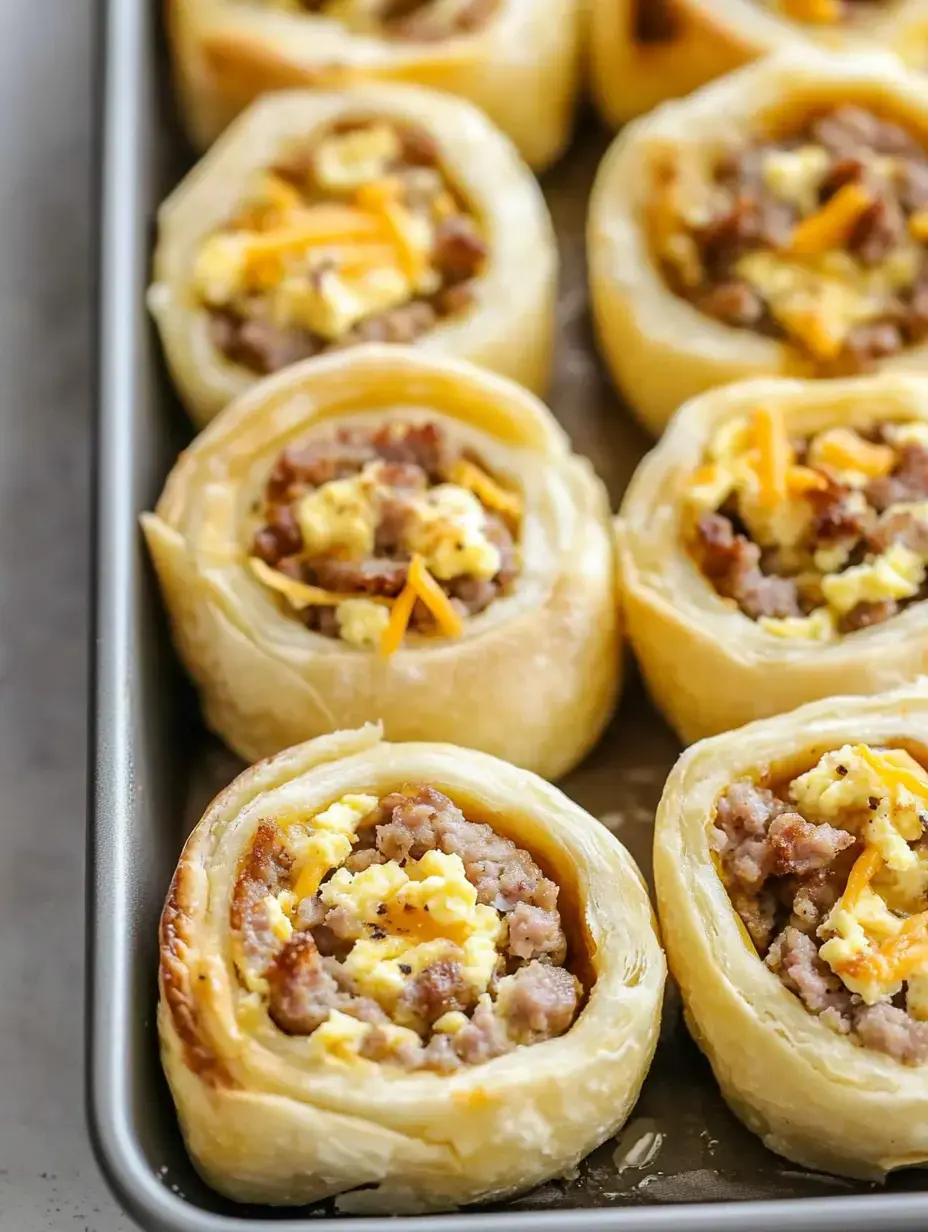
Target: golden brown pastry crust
point(510, 326)
point(811, 1094)
point(660, 348)
point(707, 665)
point(522, 67)
point(532, 679)
point(263, 1124)
point(704, 39)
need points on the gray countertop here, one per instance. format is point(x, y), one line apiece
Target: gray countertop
point(48, 1180)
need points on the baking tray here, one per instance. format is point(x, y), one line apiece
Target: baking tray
point(682, 1162)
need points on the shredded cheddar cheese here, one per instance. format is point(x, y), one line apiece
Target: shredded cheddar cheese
point(300, 594)
point(865, 869)
point(892, 774)
point(800, 479)
point(434, 598)
point(472, 477)
point(392, 637)
point(773, 454)
point(831, 226)
point(918, 226)
point(419, 585)
point(815, 12)
point(842, 449)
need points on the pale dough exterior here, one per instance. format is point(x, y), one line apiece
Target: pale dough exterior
point(810, 1094)
point(661, 349)
point(709, 667)
point(522, 67)
point(532, 679)
point(262, 1124)
point(709, 38)
point(510, 327)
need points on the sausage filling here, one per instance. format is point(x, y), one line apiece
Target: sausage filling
point(397, 930)
point(357, 237)
point(812, 538)
point(829, 874)
point(375, 530)
point(816, 240)
point(416, 20)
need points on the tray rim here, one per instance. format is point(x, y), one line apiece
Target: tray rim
point(123, 77)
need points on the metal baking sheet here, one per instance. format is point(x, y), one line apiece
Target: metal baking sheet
point(682, 1162)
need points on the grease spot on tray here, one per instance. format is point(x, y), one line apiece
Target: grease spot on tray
point(638, 1145)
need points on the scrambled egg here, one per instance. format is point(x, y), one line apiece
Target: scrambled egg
point(345, 161)
point(327, 841)
point(881, 795)
point(896, 574)
point(449, 533)
point(845, 786)
point(339, 516)
point(818, 626)
point(849, 457)
point(432, 912)
point(339, 1038)
point(795, 176)
point(362, 622)
point(912, 433)
point(329, 302)
point(819, 299)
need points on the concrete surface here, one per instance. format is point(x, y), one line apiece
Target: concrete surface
point(48, 1180)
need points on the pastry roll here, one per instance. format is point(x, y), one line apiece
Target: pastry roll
point(773, 223)
point(378, 534)
point(792, 885)
point(517, 60)
point(646, 51)
point(385, 213)
point(411, 970)
point(774, 546)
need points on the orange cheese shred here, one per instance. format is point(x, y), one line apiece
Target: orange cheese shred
point(380, 197)
point(892, 774)
point(392, 637)
point(419, 585)
point(816, 12)
point(468, 475)
point(801, 479)
point(844, 449)
point(323, 224)
point(866, 866)
point(435, 598)
point(918, 226)
point(773, 454)
point(301, 594)
point(807, 327)
point(831, 226)
point(896, 958)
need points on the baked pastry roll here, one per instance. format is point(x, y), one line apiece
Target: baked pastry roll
point(773, 223)
point(382, 967)
point(646, 51)
point(773, 548)
point(515, 59)
point(378, 534)
point(792, 885)
point(385, 213)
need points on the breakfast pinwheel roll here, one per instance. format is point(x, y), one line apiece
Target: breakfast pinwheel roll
point(377, 534)
point(774, 223)
point(517, 60)
point(411, 970)
point(319, 221)
point(646, 51)
point(791, 868)
point(774, 548)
